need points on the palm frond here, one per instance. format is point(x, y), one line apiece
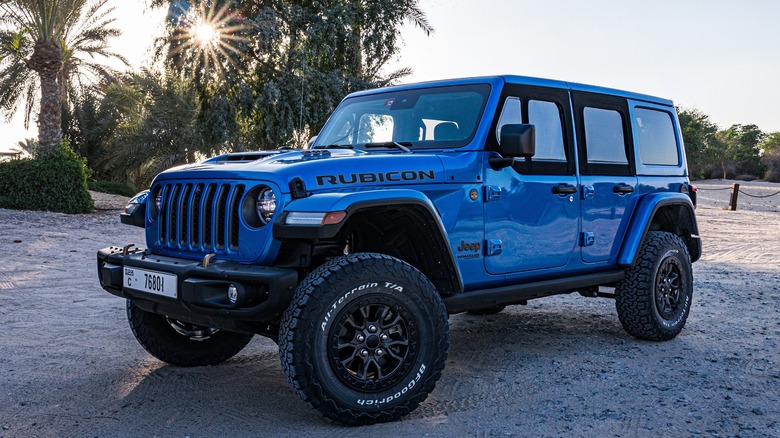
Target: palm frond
point(417, 17)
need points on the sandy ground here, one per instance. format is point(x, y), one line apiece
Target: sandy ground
point(561, 366)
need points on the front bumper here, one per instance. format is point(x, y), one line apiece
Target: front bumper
point(263, 292)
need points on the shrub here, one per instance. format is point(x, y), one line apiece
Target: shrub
point(771, 160)
point(53, 182)
point(115, 188)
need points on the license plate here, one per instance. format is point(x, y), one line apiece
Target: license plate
point(153, 282)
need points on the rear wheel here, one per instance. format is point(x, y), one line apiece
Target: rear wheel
point(365, 339)
point(182, 343)
point(654, 299)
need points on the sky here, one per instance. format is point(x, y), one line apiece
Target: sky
point(720, 57)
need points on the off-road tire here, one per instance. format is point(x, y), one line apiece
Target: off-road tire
point(205, 346)
point(487, 310)
point(654, 299)
point(383, 301)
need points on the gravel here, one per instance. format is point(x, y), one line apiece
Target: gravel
point(560, 366)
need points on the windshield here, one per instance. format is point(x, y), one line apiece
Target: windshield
point(442, 117)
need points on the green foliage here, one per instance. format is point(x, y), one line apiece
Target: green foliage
point(281, 67)
point(770, 142)
point(112, 187)
point(698, 132)
point(738, 152)
point(30, 146)
point(278, 71)
point(771, 160)
point(134, 130)
point(716, 153)
point(54, 182)
point(48, 49)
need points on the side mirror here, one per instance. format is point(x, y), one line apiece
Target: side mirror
point(518, 141)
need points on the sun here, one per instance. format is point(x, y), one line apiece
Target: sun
point(205, 34)
point(209, 35)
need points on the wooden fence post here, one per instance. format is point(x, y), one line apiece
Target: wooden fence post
point(734, 195)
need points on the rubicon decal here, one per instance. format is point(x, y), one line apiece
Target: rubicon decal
point(364, 178)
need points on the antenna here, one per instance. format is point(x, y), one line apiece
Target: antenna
point(303, 77)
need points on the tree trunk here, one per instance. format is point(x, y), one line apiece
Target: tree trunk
point(46, 60)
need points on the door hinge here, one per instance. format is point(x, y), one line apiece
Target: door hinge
point(492, 193)
point(588, 238)
point(587, 192)
point(493, 247)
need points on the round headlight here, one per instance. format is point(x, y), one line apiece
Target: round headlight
point(155, 202)
point(266, 205)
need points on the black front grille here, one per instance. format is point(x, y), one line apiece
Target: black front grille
point(200, 217)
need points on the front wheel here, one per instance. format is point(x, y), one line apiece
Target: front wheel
point(654, 299)
point(182, 343)
point(365, 339)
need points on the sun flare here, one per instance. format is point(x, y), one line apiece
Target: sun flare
point(209, 34)
point(205, 34)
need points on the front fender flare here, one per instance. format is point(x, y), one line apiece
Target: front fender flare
point(350, 202)
point(353, 202)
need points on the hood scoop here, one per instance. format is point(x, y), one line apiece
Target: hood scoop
point(241, 157)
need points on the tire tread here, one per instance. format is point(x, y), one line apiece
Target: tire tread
point(634, 294)
point(291, 354)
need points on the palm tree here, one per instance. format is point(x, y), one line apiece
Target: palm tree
point(48, 46)
point(29, 146)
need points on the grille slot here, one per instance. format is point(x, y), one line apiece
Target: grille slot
point(235, 207)
point(222, 196)
point(202, 217)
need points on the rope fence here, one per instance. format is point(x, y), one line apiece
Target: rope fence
point(758, 196)
point(714, 189)
point(735, 191)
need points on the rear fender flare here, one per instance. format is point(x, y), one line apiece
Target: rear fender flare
point(643, 217)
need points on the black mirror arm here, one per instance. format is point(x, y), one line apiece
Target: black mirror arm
point(498, 163)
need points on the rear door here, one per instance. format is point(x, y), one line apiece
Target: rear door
point(608, 183)
point(532, 208)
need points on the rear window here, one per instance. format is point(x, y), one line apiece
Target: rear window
point(655, 134)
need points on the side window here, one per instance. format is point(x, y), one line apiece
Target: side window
point(604, 139)
point(549, 110)
point(512, 113)
point(655, 134)
point(546, 116)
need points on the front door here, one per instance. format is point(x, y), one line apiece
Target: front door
point(532, 208)
point(608, 180)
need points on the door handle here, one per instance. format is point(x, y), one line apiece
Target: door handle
point(564, 189)
point(623, 188)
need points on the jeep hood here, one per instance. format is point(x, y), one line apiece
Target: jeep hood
point(319, 169)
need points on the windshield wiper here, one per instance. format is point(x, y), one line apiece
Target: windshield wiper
point(334, 146)
point(403, 145)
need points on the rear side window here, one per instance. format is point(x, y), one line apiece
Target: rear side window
point(604, 137)
point(655, 134)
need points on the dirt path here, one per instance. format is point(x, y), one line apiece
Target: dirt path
point(69, 365)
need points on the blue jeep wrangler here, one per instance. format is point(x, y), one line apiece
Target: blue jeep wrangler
point(413, 202)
